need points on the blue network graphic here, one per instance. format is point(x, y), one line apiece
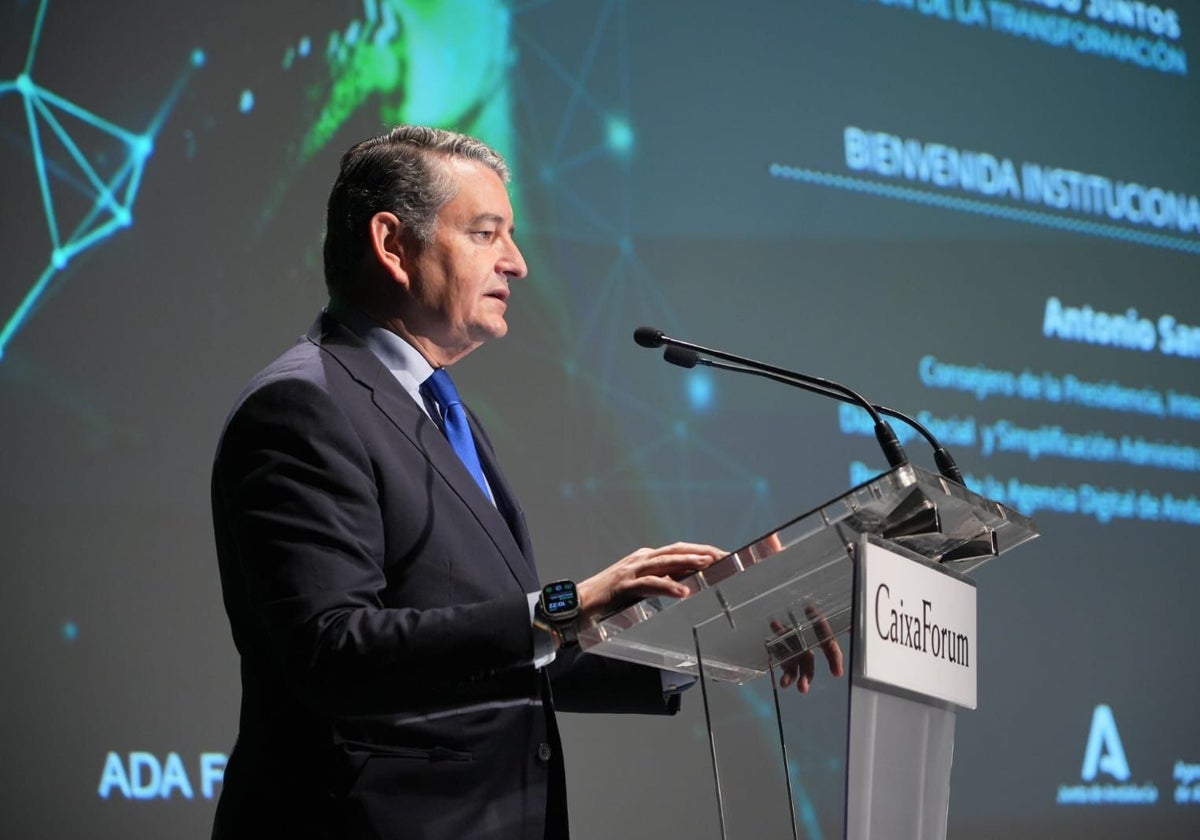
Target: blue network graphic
point(982, 208)
point(111, 197)
point(588, 138)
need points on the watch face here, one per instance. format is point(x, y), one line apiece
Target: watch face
point(560, 598)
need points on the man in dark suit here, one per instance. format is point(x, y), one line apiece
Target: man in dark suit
point(398, 678)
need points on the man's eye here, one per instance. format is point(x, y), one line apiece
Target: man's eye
point(485, 235)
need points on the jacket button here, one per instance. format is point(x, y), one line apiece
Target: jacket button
point(543, 752)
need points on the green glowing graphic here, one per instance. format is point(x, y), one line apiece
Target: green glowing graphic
point(436, 63)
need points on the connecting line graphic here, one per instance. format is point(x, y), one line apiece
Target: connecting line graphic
point(983, 208)
point(112, 197)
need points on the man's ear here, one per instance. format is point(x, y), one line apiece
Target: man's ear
point(388, 245)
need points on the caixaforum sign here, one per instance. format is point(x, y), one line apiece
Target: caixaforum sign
point(918, 627)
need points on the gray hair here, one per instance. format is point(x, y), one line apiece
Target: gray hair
point(402, 172)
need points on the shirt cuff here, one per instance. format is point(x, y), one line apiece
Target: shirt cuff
point(543, 641)
point(674, 682)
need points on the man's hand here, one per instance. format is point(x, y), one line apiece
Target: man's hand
point(645, 572)
point(801, 669)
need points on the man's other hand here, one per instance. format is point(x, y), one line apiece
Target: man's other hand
point(644, 573)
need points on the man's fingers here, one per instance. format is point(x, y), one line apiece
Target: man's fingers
point(648, 585)
point(801, 668)
point(833, 651)
point(676, 562)
point(692, 548)
point(833, 655)
point(806, 663)
point(697, 554)
point(646, 572)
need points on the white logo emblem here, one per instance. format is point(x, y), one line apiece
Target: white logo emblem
point(1104, 750)
point(1105, 777)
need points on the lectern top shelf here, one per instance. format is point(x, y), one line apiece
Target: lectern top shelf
point(792, 588)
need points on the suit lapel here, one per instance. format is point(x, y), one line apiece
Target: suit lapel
point(395, 403)
point(506, 499)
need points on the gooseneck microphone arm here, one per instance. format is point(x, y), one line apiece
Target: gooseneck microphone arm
point(945, 461)
point(888, 442)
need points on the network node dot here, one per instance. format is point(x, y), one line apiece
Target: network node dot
point(620, 136)
point(142, 147)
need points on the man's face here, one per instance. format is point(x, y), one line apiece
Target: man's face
point(458, 280)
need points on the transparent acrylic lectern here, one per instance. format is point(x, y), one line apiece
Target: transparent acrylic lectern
point(794, 593)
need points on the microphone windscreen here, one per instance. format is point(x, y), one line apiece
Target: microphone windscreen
point(681, 356)
point(648, 337)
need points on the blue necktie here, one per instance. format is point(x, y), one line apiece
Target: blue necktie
point(441, 390)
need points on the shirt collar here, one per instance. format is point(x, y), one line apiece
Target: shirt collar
point(404, 361)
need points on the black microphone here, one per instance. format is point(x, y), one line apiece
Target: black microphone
point(888, 442)
point(648, 337)
point(941, 455)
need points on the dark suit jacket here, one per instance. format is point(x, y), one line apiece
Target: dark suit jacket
point(378, 602)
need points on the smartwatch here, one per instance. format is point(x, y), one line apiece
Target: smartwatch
point(558, 608)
